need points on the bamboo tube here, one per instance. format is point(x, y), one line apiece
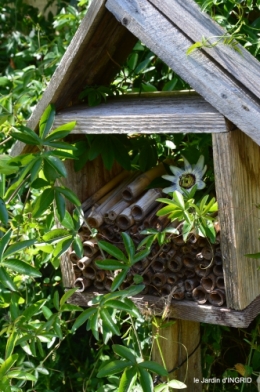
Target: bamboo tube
point(125, 219)
point(200, 295)
point(166, 289)
point(189, 273)
point(188, 295)
point(201, 269)
point(170, 254)
point(217, 297)
point(99, 285)
point(150, 217)
point(218, 259)
point(208, 282)
point(191, 283)
point(107, 231)
point(160, 222)
point(140, 265)
point(179, 293)
point(218, 270)
point(100, 276)
point(115, 210)
point(147, 277)
point(135, 188)
point(159, 265)
point(181, 273)
point(108, 283)
point(166, 247)
point(202, 242)
point(77, 271)
point(178, 240)
point(104, 190)
point(220, 283)
point(192, 238)
point(171, 278)
point(83, 262)
point(189, 262)
point(199, 256)
point(96, 217)
point(158, 279)
point(175, 264)
point(73, 257)
point(207, 253)
point(84, 230)
point(90, 248)
point(145, 204)
point(82, 284)
point(89, 272)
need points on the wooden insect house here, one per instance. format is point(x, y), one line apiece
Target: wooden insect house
point(224, 102)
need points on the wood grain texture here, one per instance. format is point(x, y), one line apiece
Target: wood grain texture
point(155, 112)
point(240, 64)
point(207, 77)
point(176, 342)
point(186, 310)
point(237, 168)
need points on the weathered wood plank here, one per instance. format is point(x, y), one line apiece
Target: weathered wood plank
point(159, 34)
point(176, 342)
point(186, 310)
point(237, 167)
point(155, 112)
point(187, 15)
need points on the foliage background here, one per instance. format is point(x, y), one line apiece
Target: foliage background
point(31, 46)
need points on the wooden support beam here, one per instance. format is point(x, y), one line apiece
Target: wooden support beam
point(186, 310)
point(211, 80)
point(179, 112)
point(176, 343)
point(237, 168)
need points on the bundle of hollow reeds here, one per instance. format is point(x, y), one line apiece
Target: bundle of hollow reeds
point(184, 270)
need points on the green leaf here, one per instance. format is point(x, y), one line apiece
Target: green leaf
point(6, 280)
point(179, 199)
point(68, 221)
point(11, 344)
point(55, 235)
point(176, 384)
point(129, 245)
point(120, 305)
point(118, 280)
point(61, 132)
point(253, 255)
point(145, 380)
point(3, 212)
point(33, 309)
point(154, 367)
point(113, 367)
point(191, 48)
point(43, 202)
point(112, 250)
point(83, 317)
point(125, 353)
point(141, 255)
point(67, 295)
point(69, 195)
point(21, 375)
point(18, 247)
point(7, 364)
point(109, 264)
point(127, 380)
point(60, 204)
point(56, 300)
point(57, 165)
point(94, 325)
point(21, 267)
point(46, 121)
point(77, 246)
point(27, 139)
point(109, 322)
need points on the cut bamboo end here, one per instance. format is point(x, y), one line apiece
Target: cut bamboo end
point(159, 279)
point(90, 248)
point(200, 295)
point(117, 209)
point(208, 282)
point(217, 297)
point(172, 278)
point(89, 272)
point(145, 204)
point(220, 283)
point(218, 270)
point(82, 284)
point(141, 265)
point(108, 231)
point(159, 265)
point(191, 283)
point(83, 262)
point(189, 262)
point(95, 220)
point(175, 264)
point(125, 220)
point(136, 188)
point(207, 253)
point(73, 257)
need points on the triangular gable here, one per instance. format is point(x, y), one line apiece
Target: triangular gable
point(227, 79)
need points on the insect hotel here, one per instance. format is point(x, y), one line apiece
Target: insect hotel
point(225, 103)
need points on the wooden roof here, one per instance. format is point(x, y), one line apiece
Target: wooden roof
point(228, 79)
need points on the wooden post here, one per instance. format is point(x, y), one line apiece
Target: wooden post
point(176, 343)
